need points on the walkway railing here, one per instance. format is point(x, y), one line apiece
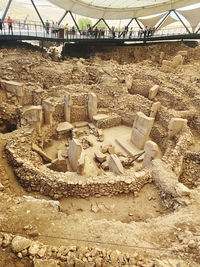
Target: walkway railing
point(37, 30)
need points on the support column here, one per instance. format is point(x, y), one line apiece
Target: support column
point(182, 21)
point(165, 17)
point(38, 13)
point(106, 24)
point(63, 17)
point(6, 10)
point(96, 23)
point(75, 21)
point(67, 107)
point(198, 30)
point(48, 111)
point(138, 23)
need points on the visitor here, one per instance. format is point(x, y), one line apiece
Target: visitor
point(53, 29)
point(96, 31)
point(56, 29)
point(1, 26)
point(113, 32)
point(130, 33)
point(47, 26)
point(66, 30)
point(73, 31)
point(145, 31)
point(10, 25)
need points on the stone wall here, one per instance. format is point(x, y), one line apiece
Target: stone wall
point(40, 254)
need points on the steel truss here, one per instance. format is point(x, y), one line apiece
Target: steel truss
point(101, 19)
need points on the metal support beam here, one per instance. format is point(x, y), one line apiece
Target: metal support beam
point(62, 17)
point(38, 13)
point(198, 30)
point(138, 23)
point(165, 17)
point(96, 23)
point(181, 21)
point(75, 22)
point(6, 10)
point(106, 24)
point(130, 22)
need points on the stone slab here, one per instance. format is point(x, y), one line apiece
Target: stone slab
point(100, 117)
point(64, 127)
point(115, 165)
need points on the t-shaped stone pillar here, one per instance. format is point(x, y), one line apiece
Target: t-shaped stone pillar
point(150, 149)
point(141, 129)
point(48, 111)
point(67, 107)
point(92, 105)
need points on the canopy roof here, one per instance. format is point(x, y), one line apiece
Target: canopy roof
point(120, 9)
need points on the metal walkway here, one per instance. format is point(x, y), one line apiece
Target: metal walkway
point(38, 32)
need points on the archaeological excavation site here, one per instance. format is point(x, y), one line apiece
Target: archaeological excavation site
point(100, 156)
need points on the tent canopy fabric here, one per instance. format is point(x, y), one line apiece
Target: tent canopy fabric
point(151, 22)
point(192, 16)
point(120, 9)
point(167, 22)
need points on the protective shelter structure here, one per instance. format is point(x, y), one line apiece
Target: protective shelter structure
point(127, 9)
point(120, 9)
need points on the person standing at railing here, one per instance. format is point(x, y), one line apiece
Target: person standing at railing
point(66, 30)
point(53, 29)
point(10, 27)
point(1, 26)
point(47, 26)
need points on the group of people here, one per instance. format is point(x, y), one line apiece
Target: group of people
point(10, 25)
point(146, 32)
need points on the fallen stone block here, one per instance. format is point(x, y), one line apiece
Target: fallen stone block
point(100, 157)
point(64, 127)
point(115, 165)
point(20, 243)
point(52, 203)
point(177, 61)
point(41, 153)
point(175, 126)
point(182, 190)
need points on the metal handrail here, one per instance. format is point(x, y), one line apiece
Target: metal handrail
point(37, 30)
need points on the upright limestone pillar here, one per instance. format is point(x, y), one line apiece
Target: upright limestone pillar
point(74, 153)
point(92, 105)
point(67, 107)
point(151, 150)
point(48, 111)
point(141, 129)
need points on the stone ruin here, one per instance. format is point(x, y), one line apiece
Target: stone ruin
point(86, 164)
